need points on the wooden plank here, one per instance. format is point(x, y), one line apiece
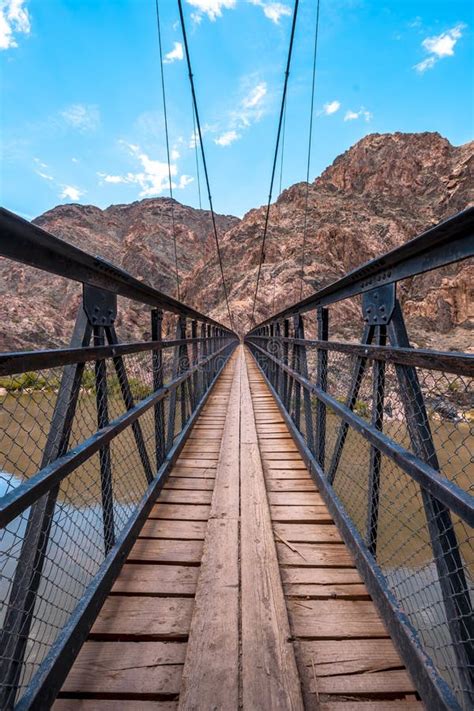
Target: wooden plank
point(283, 446)
point(191, 530)
point(171, 496)
point(269, 675)
point(204, 473)
point(75, 704)
point(296, 474)
point(129, 668)
point(211, 671)
point(290, 485)
point(195, 463)
point(350, 656)
point(336, 619)
point(335, 555)
point(127, 617)
point(285, 465)
point(308, 532)
point(190, 483)
point(373, 684)
point(321, 576)
point(385, 705)
point(302, 514)
point(156, 550)
point(288, 498)
point(181, 512)
point(135, 579)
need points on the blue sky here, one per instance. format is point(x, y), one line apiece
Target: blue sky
point(81, 113)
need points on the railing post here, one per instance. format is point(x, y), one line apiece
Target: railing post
point(104, 452)
point(129, 403)
point(278, 380)
point(174, 393)
point(302, 368)
point(451, 575)
point(296, 366)
point(321, 382)
point(157, 366)
point(378, 394)
point(286, 335)
point(204, 353)
point(194, 349)
point(357, 375)
point(183, 367)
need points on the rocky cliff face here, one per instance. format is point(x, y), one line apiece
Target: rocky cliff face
point(382, 192)
point(38, 309)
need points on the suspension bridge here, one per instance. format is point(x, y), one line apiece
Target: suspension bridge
point(216, 520)
point(273, 522)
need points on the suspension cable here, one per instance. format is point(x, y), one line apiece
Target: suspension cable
point(275, 157)
point(282, 148)
point(203, 157)
point(165, 114)
point(197, 159)
point(310, 141)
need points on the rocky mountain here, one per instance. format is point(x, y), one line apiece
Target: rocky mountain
point(382, 192)
point(40, 308)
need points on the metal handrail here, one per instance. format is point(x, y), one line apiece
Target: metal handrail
point(449, 241)
point(306, 376)
point(24, 242)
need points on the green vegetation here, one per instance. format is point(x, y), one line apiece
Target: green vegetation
point(35, 382)
point(27, 381)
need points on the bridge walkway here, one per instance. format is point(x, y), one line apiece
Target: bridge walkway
point(239, 592)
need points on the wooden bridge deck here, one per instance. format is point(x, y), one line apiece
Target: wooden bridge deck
point(239, 591)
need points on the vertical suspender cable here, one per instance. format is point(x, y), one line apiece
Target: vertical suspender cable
point(197, 158)
point(282, 149)
point(165, 114)
point(203, 157)
point(310, 140)
point(275, 157)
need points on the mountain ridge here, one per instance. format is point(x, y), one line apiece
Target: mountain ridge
point(384, 190)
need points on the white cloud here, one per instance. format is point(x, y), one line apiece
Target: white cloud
point(75, 160)
point(83, 117)
point(273, 10)
point(69, 192)
point(227, 138)
point(255, 96)
point(184, 181)
point(14, 20)
point(354, 115)
point(331, 107)
point(251, 107)
point(439, 47)
point(153, 178)
point(45, 176)
point(175, 154)
point(175, 55)
point(211, 8)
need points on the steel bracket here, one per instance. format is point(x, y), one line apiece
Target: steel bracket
point(378, 305)
point(100, 305)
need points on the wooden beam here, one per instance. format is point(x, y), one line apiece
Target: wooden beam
point(270, 680)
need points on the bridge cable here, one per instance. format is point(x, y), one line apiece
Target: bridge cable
point(165, 114)
point(282, 148)
point(310, 140)
point(203, 157)
point(197, 159)
point(275, 157)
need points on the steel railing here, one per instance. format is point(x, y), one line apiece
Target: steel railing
point(89, 434)
point(386, 431)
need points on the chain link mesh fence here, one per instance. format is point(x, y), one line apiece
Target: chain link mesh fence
point(50, 553)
